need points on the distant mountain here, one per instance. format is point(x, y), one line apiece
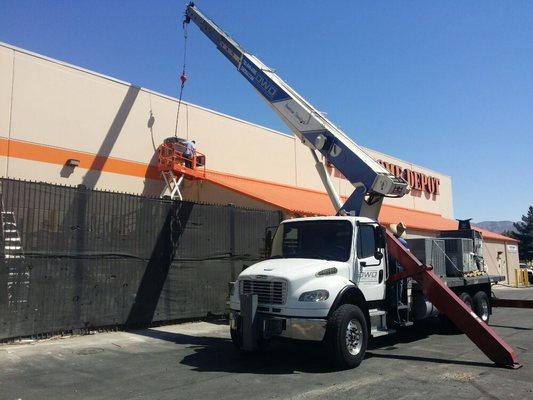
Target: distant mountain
point(496, 226)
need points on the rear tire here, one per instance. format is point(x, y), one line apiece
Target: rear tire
point(482, 306)
point(347, 336)
point(467, 299)
point(446, 324)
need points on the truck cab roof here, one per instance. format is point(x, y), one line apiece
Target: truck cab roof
point(352, 219)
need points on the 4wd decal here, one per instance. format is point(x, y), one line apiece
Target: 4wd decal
point(367, 276)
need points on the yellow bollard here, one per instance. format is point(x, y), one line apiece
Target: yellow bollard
point(521, 277)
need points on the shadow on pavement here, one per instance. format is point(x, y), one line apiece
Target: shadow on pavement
point(217, 354)
point(520, 328)
point(430, 359)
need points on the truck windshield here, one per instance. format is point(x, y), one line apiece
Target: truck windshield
point(325, 240)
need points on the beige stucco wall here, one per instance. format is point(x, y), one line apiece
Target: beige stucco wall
point(503, 264)
point(207, 192)
point(55, 104)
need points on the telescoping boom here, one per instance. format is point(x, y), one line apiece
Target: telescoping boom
point(371, 180)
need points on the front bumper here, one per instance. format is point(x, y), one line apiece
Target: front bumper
point(268, 326)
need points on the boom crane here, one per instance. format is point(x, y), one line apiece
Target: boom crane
point(372, 182)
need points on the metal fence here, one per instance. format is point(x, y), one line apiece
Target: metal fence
point(94, 259)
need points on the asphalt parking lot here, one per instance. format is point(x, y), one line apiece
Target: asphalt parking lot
point(198, 361)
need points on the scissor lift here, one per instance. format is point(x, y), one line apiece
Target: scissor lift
point(176, 165)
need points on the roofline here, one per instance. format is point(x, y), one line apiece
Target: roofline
point(116, 80)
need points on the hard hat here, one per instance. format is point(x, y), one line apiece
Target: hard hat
point(398, 229)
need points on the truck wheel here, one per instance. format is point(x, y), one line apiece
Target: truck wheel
point(467, 299)
point(447, 326)
point(482, 306)
point(347, 336)
point(236, 338)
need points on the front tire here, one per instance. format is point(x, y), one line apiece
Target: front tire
point(236, 338)
point(347, 336)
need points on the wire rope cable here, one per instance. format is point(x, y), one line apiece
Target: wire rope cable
point(183, 77)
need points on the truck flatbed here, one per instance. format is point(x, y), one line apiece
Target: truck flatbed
point(460, 281)
point(473, 280)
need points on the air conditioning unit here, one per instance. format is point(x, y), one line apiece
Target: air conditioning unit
point(476, 236)
point(430, 252)
point(459, 256)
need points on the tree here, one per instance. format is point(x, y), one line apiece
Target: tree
point(524, 233)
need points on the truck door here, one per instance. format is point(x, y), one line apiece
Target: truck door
point(369, 262)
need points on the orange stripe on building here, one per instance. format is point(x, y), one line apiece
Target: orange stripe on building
point(286, 197)
point(55, 155)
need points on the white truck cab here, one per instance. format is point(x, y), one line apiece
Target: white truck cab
point(317, 266)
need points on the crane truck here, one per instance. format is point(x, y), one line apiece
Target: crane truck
point(328, 279)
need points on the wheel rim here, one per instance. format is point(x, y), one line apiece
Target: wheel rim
point(484, 309)
point(354, 337)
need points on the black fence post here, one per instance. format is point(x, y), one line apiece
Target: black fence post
point(232, 238)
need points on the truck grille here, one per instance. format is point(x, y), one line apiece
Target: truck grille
point(268, 292)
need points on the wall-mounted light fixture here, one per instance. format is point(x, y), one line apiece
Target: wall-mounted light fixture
point(72, 162)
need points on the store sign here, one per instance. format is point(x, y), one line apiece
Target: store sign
point(512, 248)
point(417, 180)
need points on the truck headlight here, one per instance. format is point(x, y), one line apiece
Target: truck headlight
point(314, 296)
point(327, 271)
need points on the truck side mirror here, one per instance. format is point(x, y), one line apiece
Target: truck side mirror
point(378, 255)
point(269, 237)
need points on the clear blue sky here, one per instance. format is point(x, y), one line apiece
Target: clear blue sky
point(448, 85)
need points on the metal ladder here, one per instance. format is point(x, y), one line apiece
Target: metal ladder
point(18, 281)
point(12, 243)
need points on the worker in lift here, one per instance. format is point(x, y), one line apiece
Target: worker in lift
point(398, 230)
point(190, 152)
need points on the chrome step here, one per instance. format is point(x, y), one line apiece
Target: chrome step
point(381, 332)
